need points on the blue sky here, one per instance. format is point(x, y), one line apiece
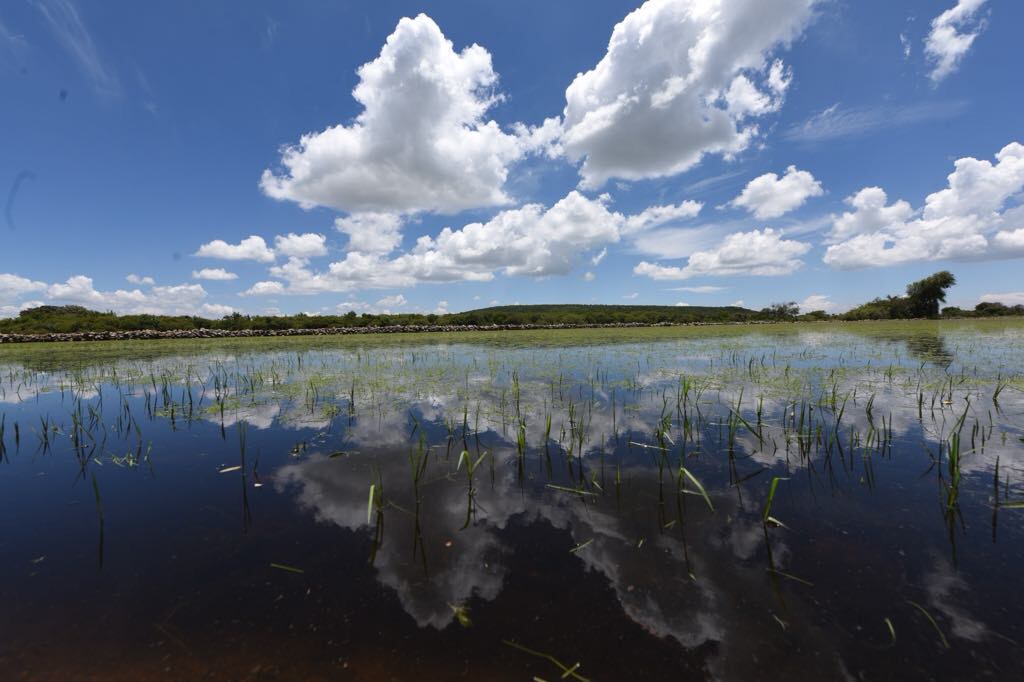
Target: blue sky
point(327, 156)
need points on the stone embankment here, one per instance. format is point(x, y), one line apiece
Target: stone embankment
point(145, 334)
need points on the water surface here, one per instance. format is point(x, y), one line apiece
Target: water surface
point(482, 506)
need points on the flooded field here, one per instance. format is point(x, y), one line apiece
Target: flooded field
point(824, 500)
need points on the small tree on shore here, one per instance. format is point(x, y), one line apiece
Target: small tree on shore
point(781, 311)
point(924, 296)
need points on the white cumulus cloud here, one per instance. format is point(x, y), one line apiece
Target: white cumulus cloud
point(758, 252)
point(871, 213)
point(383, 306)
point(371, 232)
point(12, 286)
point(769, 196)
point(264, 289)
point(952, 34)
point(137, 279)
point(307, 245)
point(1007, 297)
point(818, 302)
point(13, 310)
point(422, 141)
point(180, 299)
point(968, 220)
point(250, 248)
point(1010, 241)
point(214, 274)
point(215, 310)
point(680, 79)
point(529, 241)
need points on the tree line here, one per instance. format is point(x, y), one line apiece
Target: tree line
point(922, 299)
point(50, 319)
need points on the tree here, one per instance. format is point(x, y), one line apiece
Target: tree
point(781, 311)
point(991, 309)
point(924, 296)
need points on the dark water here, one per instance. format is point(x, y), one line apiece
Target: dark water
point(206, 512)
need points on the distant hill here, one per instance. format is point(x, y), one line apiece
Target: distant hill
point(572, 313)
point(62, 319)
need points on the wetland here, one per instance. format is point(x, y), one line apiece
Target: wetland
point(839, 501)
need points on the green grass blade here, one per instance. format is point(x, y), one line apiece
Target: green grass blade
point(700, 487)
point(942, 637)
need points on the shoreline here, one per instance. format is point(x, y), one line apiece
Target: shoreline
point(186, 334)
point(155, 334)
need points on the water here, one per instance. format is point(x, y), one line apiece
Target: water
point(204, 510)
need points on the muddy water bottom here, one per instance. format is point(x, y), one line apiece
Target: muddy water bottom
point(307, 512)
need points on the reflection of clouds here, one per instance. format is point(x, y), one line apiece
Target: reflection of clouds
point(745, 539)
point(651, 580)
point(25, 393)
point(894, 406)
point(264, 415)
point(256, 416)
point(947, 592)
point(335, 491)
point(375, 429)
point(306, 421)
point(638, 414)
point(297, 416)
point(391, 425)
point(816, 338)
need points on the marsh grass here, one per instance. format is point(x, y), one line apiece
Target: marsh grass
point(565, 670)
point(928, 616)
point(99, 516)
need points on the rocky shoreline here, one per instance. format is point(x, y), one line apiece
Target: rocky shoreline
point(149, 334)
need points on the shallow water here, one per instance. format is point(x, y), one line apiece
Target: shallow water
point(177, 510)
